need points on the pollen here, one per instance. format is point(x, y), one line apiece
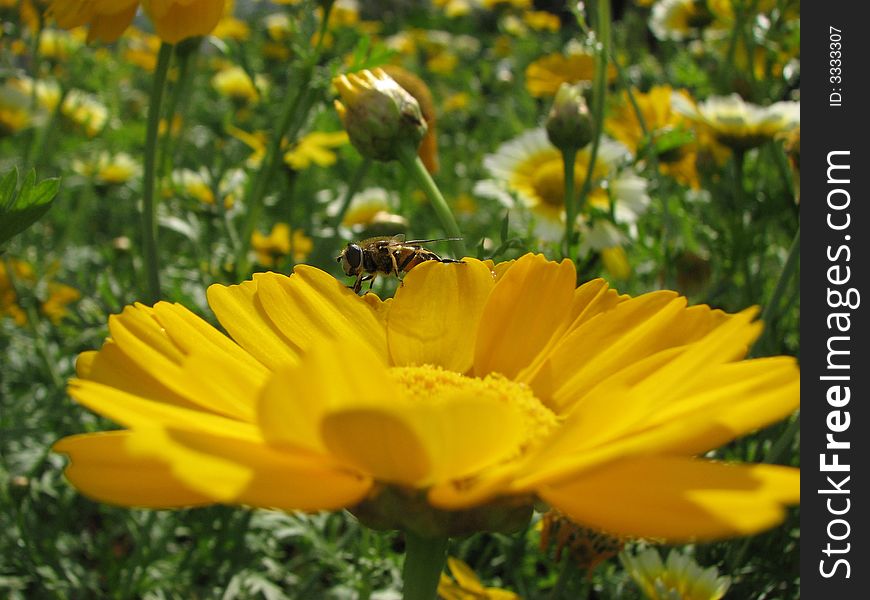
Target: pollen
point(429, 383)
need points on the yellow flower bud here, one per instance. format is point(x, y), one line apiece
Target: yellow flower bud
point(378, 114)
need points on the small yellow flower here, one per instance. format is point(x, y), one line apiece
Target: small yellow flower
point(661, 120)
point(141, 49)
point(58, 45)
point(21, 272)
point(541, 20)
point(193, 184)
point(174, 20)
point(476, 392)
point(443, 62)
point(85, 111)
point(47, 91)
point(465, 585)
point(255, 141)
point(235, 83)
point(15, 109)
point(545, 75)
point(109, 169)
point(60, 296)
point(231, 28)
point(279, 243)
point(679, 578)
point(457, 102)
point(315, 148)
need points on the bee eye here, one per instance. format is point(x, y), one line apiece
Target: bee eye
point(354, 255)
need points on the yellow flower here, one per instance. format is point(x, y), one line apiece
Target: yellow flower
point(194, 184)
point(59, 297)
point(466, 586)
point(545, 75)
point(679, 578)
point(109, 169)
point(315, 148)
point(660, 120)
point(235, 83)
point(21, 271)
point(85, 111)
point(477, 391)
point(231, 28)
point(680, 19)
point(457, 102)
point(531, 168)
point(379, 115)
point(15, 113)
point(279, 243)
point(741, 125)
point(174, 20)
point(58, 45)
point(141, 49)
point(541, 20)
point(255, 141)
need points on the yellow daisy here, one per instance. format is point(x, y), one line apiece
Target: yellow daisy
point(85, 111)
point(235, 83)
point(661, 120)
point(679, 578)
point(545, 75)
point(108, 169)
point(315, 148)
point(475, 393)
point(740, 125)
point(530, 168)
point(281, 242)
point(465, 585)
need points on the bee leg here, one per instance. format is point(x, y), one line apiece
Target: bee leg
point(357, 285)
point(371, 281)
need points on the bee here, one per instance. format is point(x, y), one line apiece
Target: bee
point(390, 255)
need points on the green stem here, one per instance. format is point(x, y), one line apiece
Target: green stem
point(569, 158)
point(602, 21)
point(184, 60)
point(788, 269)
point(149, 217)
point(352, 189)
point(424, 561)
point(414, 166)
point(738, 237)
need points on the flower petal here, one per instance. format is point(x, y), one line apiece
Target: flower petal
point(525, 309)
point(312, 305)
point(330, 376)
point(434, 316)
point(677, 499)
point(242, 315)
point(419, 444)
point(102, 468)
point(175, 21)
point(231, 470)
point(109, 27)
point(133, 411)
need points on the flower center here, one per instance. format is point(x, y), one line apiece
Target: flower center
point(429, 383)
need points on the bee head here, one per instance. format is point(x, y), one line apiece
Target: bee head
point(351, 259)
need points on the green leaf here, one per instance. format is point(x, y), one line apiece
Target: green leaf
point(20, 211)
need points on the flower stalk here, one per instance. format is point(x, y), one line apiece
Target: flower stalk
point(599, 92)
point(149, 217)
point(414, 166)
point(424, 561)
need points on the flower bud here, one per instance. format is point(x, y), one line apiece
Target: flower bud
point(378, 114)
point(569, 124)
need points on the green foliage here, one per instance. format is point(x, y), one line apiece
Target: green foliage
point(21, 208)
